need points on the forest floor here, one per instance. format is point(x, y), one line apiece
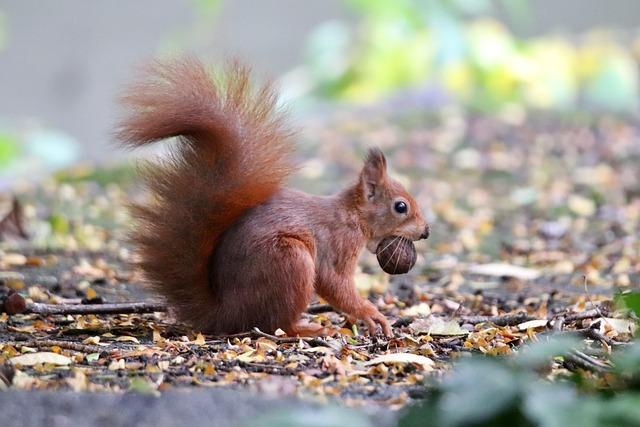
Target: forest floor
point(535, 230)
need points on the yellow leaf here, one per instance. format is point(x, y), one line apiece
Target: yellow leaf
point(91, 294)
point(199, 339)
point(117, 365)
point(124, 338)
point(209, 370)
point(266, 344)
point(157, 338)
point(92, 340)
point(403, 358)
point(31, 359)
point(246, 357)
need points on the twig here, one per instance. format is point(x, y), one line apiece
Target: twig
point(586, 291)
point(67, 345)
point(587, 314)
point(319, 308)
point(558, 324)
point(275, 338)
point(13, 222)
point(504, 320)
point(270, 369)
point(290, 340)
point(123, 308)
point(117, 308)
point(596, 335)
point(581, 360)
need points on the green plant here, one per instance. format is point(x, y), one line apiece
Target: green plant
point(492, 392)
point(457, 45)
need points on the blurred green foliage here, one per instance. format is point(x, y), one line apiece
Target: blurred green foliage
point(490, 392)
point(458, 45)
point(9, 148)
point(198, 34)
point(629, 300)
point(207, 7)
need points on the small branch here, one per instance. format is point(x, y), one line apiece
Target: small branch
point(587, 314)
point(291, 340)
point(581, 360)
point(596, 335)
point(122, 308)
point(13, 222)
point(67, 345)
point(319, 308)
point(117, 308)
point(504, 320)
point(275, 338)
point(558, 324)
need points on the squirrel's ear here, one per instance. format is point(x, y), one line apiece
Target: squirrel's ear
point(373, 172)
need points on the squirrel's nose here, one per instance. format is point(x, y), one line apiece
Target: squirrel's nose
point(425, 233)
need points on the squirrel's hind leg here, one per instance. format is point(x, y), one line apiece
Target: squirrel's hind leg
point(292, 272)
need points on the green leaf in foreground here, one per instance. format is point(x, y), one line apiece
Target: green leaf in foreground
point(541, 353)
point(494, 392)
point(140, 385)
point(330, 416)
point(629, 300)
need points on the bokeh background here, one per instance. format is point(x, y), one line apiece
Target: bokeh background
point(62, 63)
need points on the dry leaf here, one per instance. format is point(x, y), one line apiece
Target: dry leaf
point(436, 326)
point(421, 309)
point(424, 362)
point(42, 357)
point(621, 326)
point(533, 324)
point(199, 339)
point(116, 365)
point(125, 338)
point(504, 270)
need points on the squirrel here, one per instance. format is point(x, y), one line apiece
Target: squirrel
point(222, 239)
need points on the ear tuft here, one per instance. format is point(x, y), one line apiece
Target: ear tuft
point(373, 172)
point(375, 158)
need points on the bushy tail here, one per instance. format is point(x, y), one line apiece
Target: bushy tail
point(232, 153)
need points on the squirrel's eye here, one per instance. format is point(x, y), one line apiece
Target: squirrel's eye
point(400, 207)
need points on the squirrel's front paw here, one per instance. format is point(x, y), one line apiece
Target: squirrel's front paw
point(370, 315)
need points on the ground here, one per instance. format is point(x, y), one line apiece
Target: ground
point(535, 224)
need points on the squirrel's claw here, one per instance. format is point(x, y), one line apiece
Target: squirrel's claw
point(372, 318)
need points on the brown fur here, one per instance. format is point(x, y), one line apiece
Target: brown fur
point(223, 241)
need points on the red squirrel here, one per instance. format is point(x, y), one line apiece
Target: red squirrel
point(223, 240)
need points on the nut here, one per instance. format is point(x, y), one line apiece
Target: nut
point(396, 254)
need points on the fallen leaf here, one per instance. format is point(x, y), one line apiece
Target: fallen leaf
point(436, 326)
point(504, 270)
point(117, 365)
point(421, 309)
point(77, 382)
point(581, 205)
point(266, 344)
point(533, 324)
point(621, 326)
point(92, 357)
point(128, 338)
point(91, 294)
point(321, 350)
point(424, 362)
point(13, 259)
point(91, 340)
point(42, 357)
